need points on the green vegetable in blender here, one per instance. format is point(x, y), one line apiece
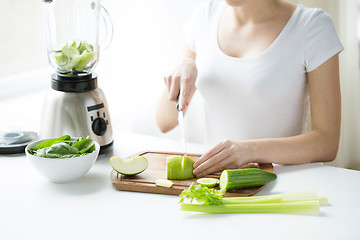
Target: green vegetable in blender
point(75, 56)
point(63, 147)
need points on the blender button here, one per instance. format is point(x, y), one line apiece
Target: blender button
point(104, 114)
point(92, 118)
point(99, 126)
point(107, 123)
point(98, 114)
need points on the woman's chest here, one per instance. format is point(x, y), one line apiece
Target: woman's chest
point(244, 40)
point(267, 77)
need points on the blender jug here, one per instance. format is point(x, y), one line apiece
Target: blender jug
point(75, 105)
point(72, 28)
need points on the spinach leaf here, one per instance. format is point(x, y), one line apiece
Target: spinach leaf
point(63, 147)
point(58, 150)
point(52, 141)
point(84, 145)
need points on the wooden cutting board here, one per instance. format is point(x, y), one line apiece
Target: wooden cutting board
point(145, 181)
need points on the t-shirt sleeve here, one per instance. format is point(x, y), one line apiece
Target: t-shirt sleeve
point(190, 33)
point(321, 42)
point(192, 27)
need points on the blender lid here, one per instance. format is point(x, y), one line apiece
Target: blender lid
point(16, 141)
point(74, 82)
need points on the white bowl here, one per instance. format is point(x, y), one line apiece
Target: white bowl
point(62, 170)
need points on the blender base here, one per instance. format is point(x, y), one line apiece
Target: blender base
point(76, 106)
point(106, 148)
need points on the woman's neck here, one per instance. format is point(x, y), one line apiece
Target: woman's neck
point(255, 11)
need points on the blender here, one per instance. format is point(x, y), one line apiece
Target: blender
point(75, 105)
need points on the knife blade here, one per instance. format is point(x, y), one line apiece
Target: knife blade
point(182, 126)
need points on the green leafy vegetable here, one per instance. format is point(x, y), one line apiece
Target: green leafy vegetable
point(63, 147)
point(84, 145)
point(58, 150)
point(211, 201)
point(50, 142)
point(202, 194)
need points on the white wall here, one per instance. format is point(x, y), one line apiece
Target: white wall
point(147, 43)
point(21, 36)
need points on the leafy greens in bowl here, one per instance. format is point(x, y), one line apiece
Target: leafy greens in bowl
point(63, 159)
point(63, 147)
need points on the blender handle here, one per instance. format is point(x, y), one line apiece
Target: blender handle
point(109, 27)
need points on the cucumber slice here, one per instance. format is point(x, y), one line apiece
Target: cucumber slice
point(208, 182)
point(130, 166)
point(163, 183)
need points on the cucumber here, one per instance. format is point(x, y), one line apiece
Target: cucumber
point(208, 182)
point(246, 177)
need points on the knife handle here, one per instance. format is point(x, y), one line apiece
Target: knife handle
point(177, 104)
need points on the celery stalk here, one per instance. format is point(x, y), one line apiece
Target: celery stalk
point(322, 200)
point(292, 195)
point(272, 199)
point(245, 200)
point(303, 207)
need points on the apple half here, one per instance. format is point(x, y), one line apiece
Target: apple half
point(179, 167)
point(130, 166)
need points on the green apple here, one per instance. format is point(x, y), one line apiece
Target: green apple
point(82, 60)
point(178, 167)
point(163, 183)
point(130, 166)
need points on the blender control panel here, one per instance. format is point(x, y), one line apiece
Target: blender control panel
point(99, 121)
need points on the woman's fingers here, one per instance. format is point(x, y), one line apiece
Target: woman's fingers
point(215, 162)
point(217, 148)
point(222, 165)
point(174, 88)
point(183, 77)
point(186, 87)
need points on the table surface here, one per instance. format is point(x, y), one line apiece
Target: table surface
point(90, 208)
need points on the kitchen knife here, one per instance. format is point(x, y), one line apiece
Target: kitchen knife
point(181, 124)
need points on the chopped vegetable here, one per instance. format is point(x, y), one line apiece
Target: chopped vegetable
point(208, 182)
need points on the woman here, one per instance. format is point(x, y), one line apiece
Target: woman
point(256, 63)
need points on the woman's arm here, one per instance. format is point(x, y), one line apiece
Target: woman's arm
point(318, 145)
point(182, 80)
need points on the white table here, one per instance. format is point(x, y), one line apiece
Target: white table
point(90, 208)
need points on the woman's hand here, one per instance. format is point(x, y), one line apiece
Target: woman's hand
point(226, 154)
point(182, 80)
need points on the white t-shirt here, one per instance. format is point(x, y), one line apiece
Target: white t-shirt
point(264, 96)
